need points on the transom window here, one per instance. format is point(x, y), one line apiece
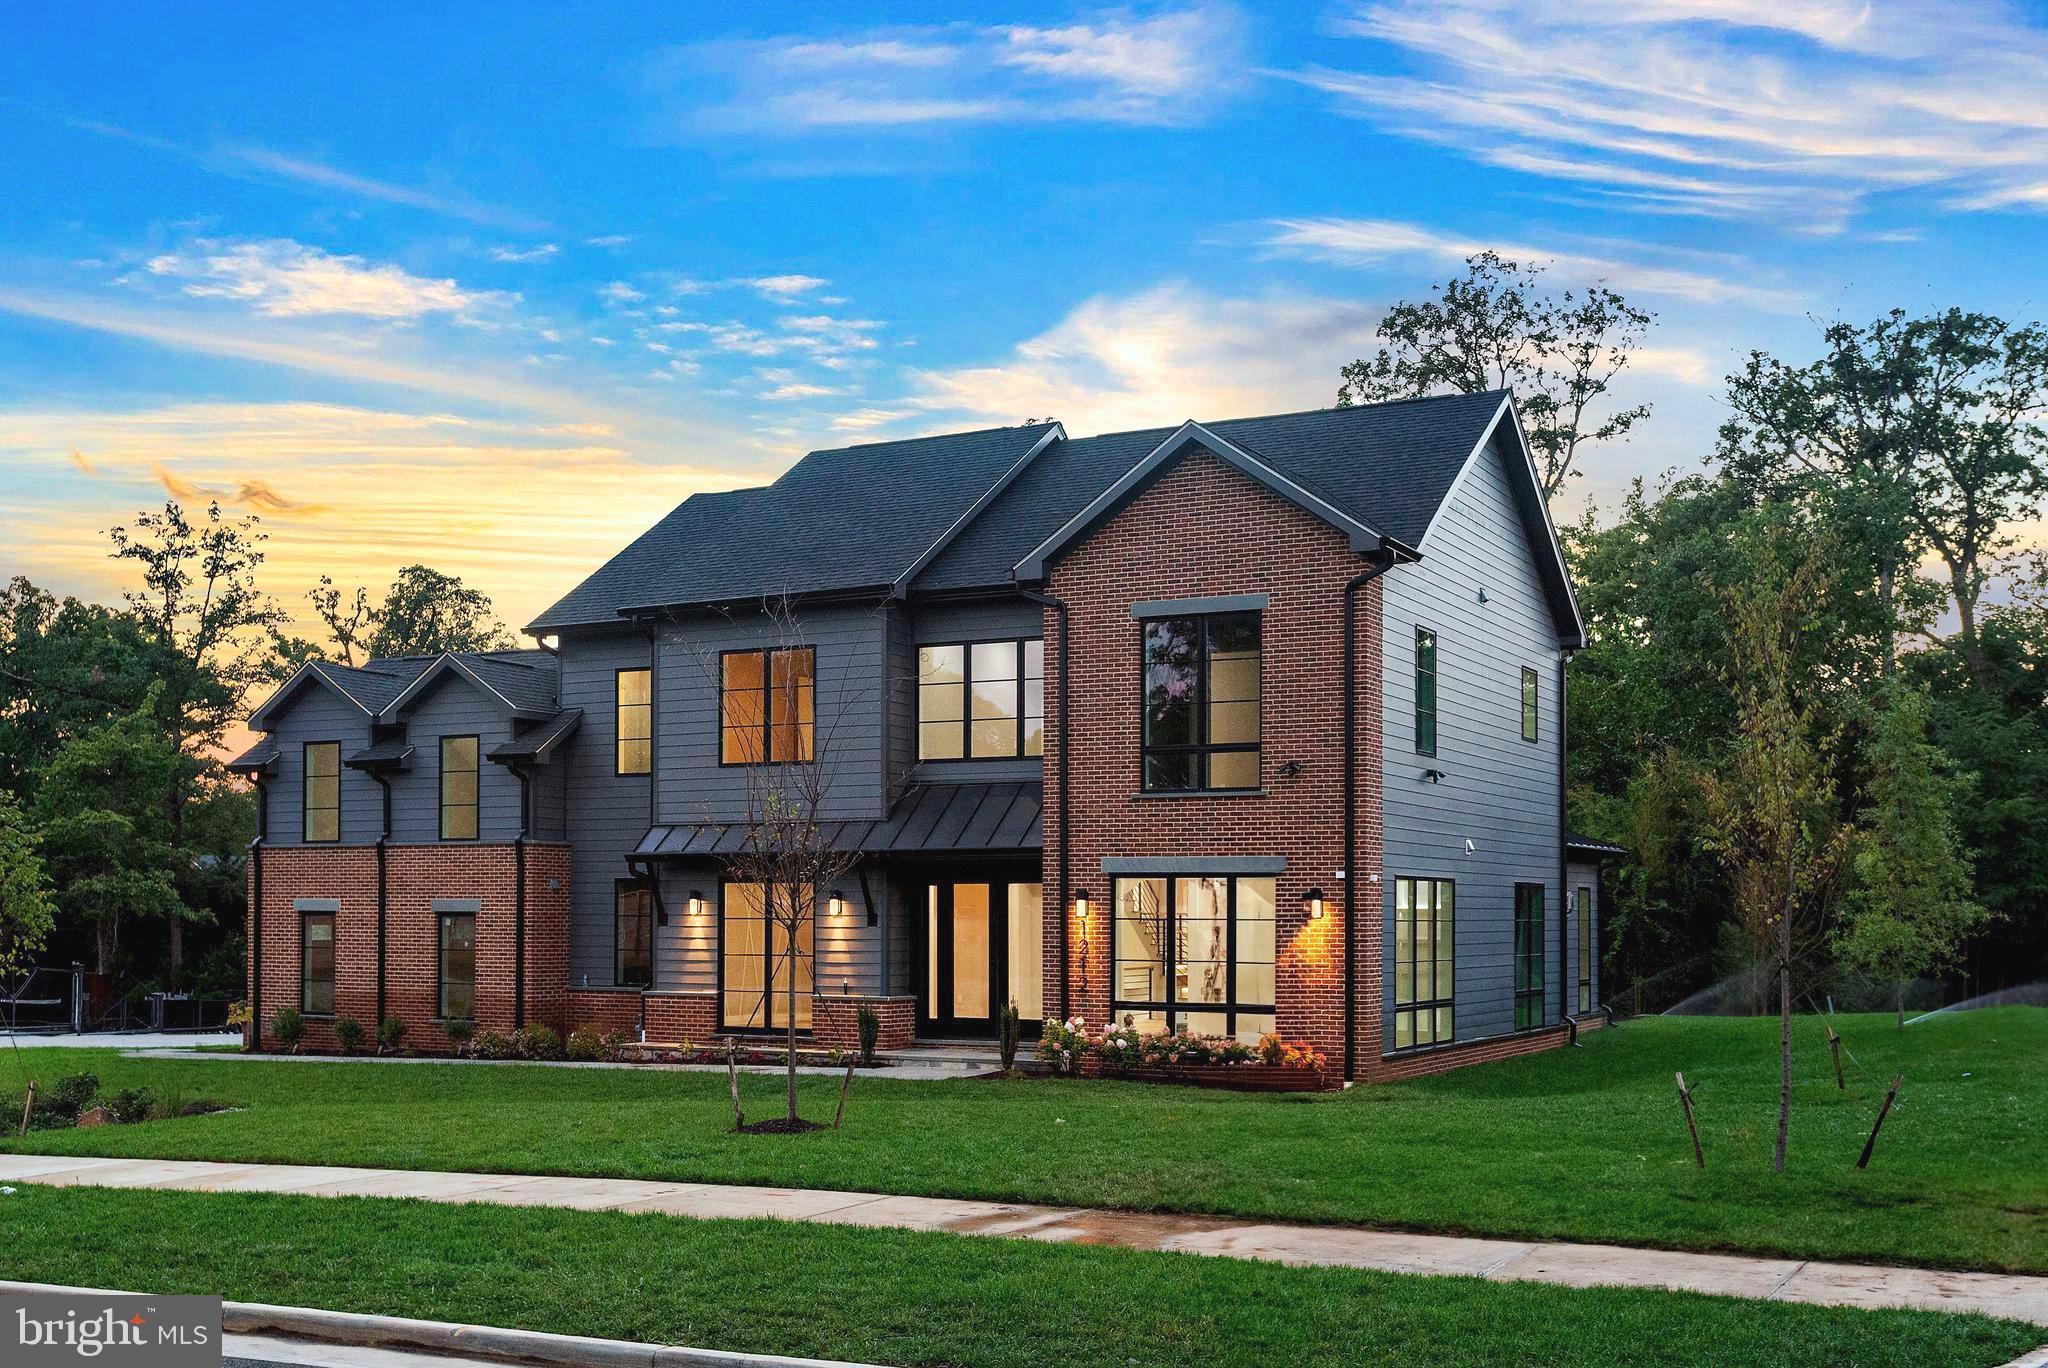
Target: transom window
point(1528, 956)
point(757, 962)
point(1201, 703)
point(767, 706)
point(1529, 700)
point(1425, 691)
point(1585, 910)
point(982, 700)
point(316, 963)
point(458, 788)
point(635, 721)
point(1195, 954)
point(322, 781)
point(633, 935)
point(1425, 953)
point(457, 998)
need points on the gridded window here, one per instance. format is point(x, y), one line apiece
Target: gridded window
point(1528, 956)
point(757, 962)
point(1201, 703)
point(458, 966)
point(1584, 897)
point(1425, 950)
point(1425, 691)
point(323, 791)
point(981, 701)
point(767, 706)
point(1195, 954)
point(458, 788)
point(635, 721)
point(1529, 701)
point(633, 935)
point(316, 963)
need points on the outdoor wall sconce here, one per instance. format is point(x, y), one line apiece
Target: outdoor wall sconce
point(1081, 903)
point(1312, 903)
point(835, 904)
point(696, 903)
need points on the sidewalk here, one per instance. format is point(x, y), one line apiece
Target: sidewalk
point(1569, 1265)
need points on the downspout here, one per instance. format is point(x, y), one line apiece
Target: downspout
point(256, 910)
point(1383, 560)
point(1065, 805)
point(519, 896)
point(1564, 871)
point(383, 837)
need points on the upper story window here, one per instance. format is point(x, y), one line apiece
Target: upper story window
point(766, 706)
point(458, 788)
point(983, 700)
point(323, 791)
point(1425, 691)
point(1201, 703)
point(635, 721)
point(1530, 696)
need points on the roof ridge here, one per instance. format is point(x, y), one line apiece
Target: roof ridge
point(933, 437)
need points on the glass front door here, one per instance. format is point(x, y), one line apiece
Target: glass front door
point(982, 948)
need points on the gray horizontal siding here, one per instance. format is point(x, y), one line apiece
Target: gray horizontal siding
point(453, 707)
point(607, 813)
point(1586, 876)
point(320, 714)
point(1009, 618)
point(1499, 791)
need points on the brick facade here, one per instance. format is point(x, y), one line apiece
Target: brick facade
point(835, 1021)
point(1444, 1058)
point(1202, 529)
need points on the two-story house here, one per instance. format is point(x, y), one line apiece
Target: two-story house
point(1233, 727)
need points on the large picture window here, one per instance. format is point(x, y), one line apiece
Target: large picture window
point(767, 706)
point(1425, 955)
point(982, 700)
point(632, 935)
point(1195, 954)
point(757, 963)
point(316, 962)
point(1425, 691)
point(322, 791)
point(635, 721)
point(1201, 703)
point(1528, 956)
point(1584, 897)
point(458, 965)
point(458, 788)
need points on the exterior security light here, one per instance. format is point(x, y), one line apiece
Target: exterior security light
point(1312, 903)
point(835, 904)
point(1081, 903)
point(696, 903)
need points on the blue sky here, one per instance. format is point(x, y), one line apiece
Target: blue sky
point(494, 287)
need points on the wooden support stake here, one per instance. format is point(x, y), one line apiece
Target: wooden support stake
point(844, 1084)
point(732, 1076)
point(1882, 1113)
point(28, 1106)
point(1835, 1048)
point(1699, 1155)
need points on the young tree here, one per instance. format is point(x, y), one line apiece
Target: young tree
point(1495, 329)
point(426, 612)
point(1911, 910)
point(1770, 806)
point(27, 914)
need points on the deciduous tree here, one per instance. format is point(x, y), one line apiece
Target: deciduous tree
point(426, 612)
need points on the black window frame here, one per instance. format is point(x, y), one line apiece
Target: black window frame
point(441, 785)
point(767, 739)
point(1417, 1008)
point(1582, 899)
point(442, 917)
point(1428, 712)
point(306, 917)
point(1532, 704)
point(771, 996)
point(620, 889)
point(619, 708)
point(1202, 749)
point(1229, 1009)
point(1024, 716)
point(1530, 988)
point(306, 808)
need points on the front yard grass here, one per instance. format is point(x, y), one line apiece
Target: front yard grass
point(1584, 1144)
point(898, 1297)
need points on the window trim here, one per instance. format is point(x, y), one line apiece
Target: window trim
point(1532, 991)
point(441, 785)
point(1435, 676)
point(306, 794)
point(1532, 704)
point(441, 914)
point(1230, 1008)
point(769, 1026)
point(619, 888)
point(619, 713)
point(1435, 1004)
point(333, 914)
point(1202, 750)
point(767, 654)
point(1021, 678)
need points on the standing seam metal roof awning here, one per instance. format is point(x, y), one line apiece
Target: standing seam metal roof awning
point(931, 818)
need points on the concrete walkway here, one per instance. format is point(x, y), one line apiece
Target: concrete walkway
point(1568, 1265)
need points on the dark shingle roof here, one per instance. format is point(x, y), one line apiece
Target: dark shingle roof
point(538, 741)
point(526, 678)
point(1587, 845)
point(262, 756)
point(383, 755)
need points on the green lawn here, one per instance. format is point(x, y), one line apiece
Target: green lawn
point(1584, 1144)
point(896, 1297)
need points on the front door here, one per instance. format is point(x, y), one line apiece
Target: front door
point(982, 948)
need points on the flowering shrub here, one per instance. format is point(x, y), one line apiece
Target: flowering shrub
point(1122, 1048)
point(1062, 1043)
point(1287, 1055)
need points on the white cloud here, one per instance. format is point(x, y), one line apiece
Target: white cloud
point(798, 389)
point(608, 240)
point(539, 252)
point(1792, 111)
point(619, 292)
point(286, 279)
point(783, 288)
point(860, 420)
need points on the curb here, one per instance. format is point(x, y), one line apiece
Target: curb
point(443, 1337)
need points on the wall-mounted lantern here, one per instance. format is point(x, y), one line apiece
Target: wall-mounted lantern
point(1081, 908)
point(1312, 903)
point(835, 904)
point(696, 903)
